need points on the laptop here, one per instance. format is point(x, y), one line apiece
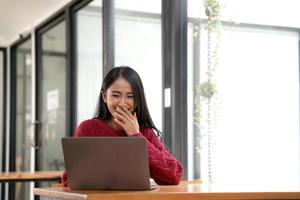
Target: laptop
point(107, 163)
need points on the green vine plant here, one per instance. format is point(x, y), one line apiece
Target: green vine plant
point(212, 11)
point(207, 89)
point(205, 98)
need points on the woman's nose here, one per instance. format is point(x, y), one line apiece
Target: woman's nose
point(122, 102)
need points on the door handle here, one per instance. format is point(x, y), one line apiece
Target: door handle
point(36, 126)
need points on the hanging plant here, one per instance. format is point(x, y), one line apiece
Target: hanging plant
point(206, 92)
point(212, 11)
point(207, 89)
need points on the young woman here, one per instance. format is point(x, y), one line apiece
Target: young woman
point(122, 111)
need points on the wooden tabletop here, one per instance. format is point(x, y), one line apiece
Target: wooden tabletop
point(185, 190)
point(30, 176)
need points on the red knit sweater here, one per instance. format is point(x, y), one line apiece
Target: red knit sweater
point(164, 168)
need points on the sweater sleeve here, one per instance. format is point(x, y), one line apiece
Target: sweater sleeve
point(64, 179)
point(86, 128)
point(165, 169)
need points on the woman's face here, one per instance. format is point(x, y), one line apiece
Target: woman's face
point(119, 95)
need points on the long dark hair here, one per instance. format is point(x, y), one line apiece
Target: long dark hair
point(140, 104)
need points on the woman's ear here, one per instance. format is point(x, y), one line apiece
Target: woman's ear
point(104, 97)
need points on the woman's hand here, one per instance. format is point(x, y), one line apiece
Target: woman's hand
point(128, 121)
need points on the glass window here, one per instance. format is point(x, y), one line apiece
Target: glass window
point(138, 35)
point(255, 123)
point(89, 58)
point(280, 13)
point(242, 12)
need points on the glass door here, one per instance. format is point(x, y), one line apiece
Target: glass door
point(21, 110)
point(51, 98)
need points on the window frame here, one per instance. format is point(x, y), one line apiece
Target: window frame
point(3, 50)
point(174, 26)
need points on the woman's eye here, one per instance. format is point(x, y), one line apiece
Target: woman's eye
point(115, 95)
point(130, 96)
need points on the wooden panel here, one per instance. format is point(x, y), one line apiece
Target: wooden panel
point(30, 176)
point(186, 190)
point(59, 193)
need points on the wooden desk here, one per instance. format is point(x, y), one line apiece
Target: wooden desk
point(184, 191)
point(30, 176)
